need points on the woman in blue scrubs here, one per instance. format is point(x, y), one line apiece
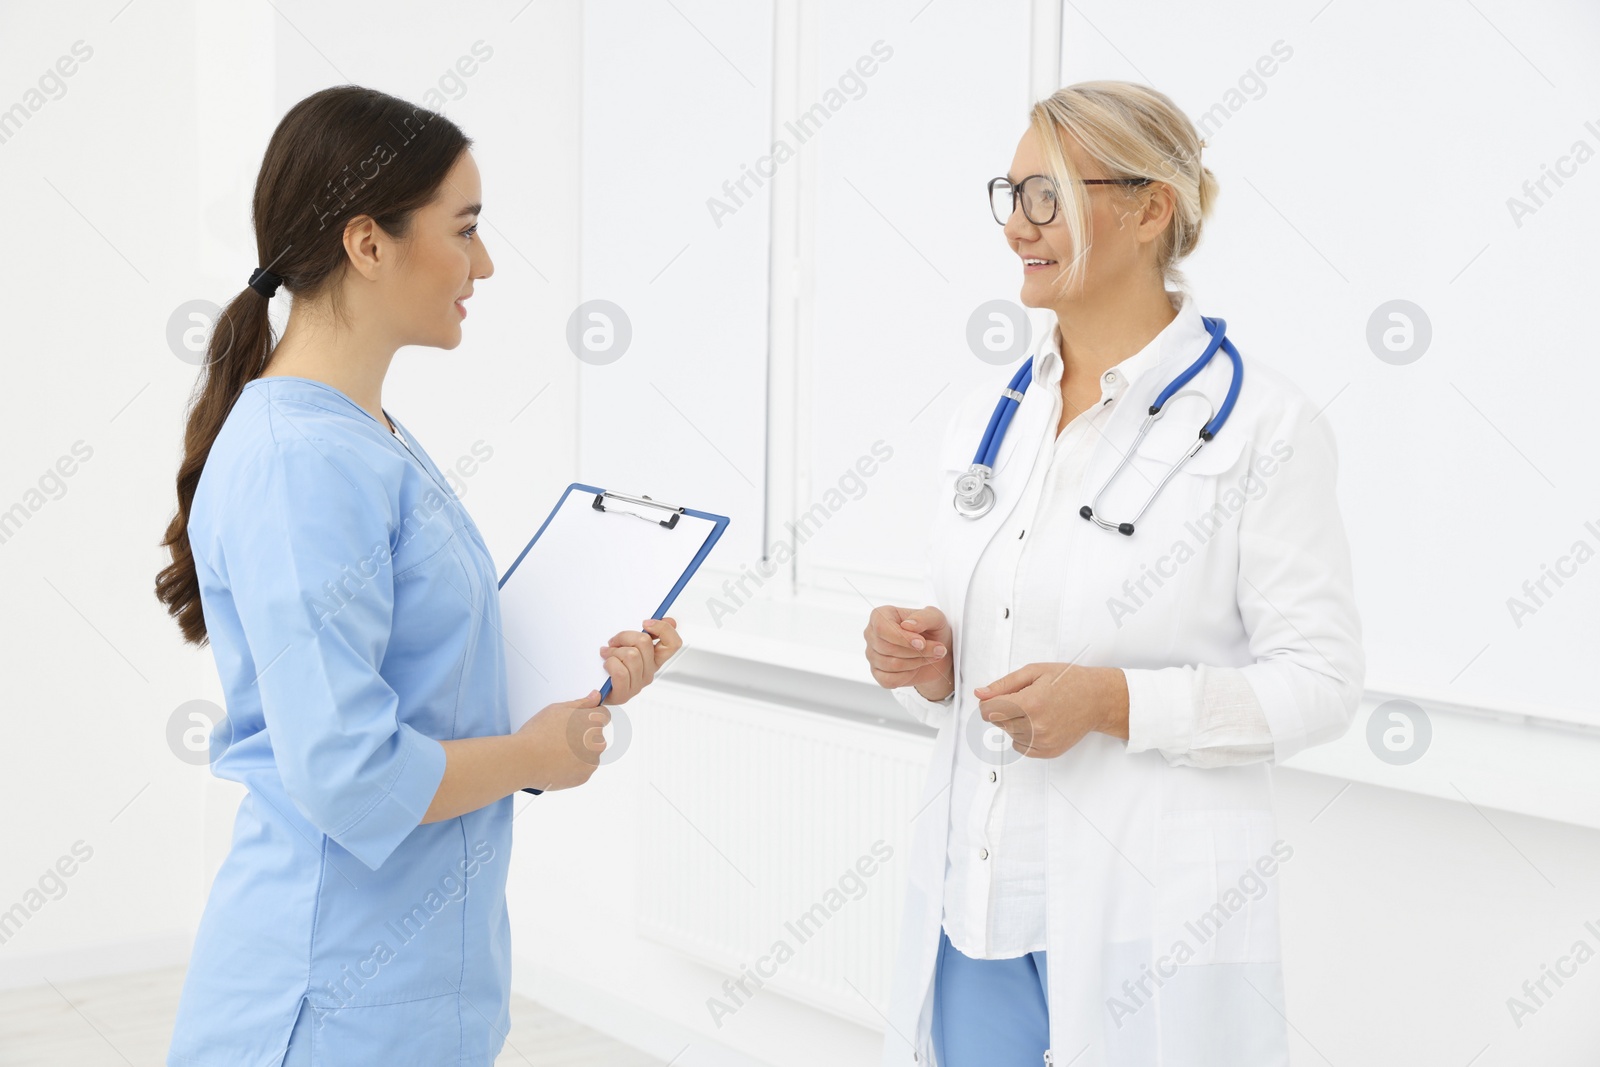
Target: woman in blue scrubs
point(352, 609)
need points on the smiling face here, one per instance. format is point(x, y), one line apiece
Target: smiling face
point(1123, 224)
point(444, 257)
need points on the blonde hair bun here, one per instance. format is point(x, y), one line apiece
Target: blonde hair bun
point(1133, 131)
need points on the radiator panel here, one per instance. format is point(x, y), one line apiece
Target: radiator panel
point(764, 829)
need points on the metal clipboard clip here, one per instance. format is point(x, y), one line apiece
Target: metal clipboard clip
point(642, 501)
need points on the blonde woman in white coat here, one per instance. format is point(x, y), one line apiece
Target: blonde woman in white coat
point(1102, 887)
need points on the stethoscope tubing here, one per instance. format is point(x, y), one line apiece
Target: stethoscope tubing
point(1000, 420)
point(975, 495)
point(1219, 338)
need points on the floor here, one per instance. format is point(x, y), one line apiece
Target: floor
point(125, 1021)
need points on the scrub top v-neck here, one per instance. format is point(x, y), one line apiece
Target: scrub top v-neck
point(353, 613)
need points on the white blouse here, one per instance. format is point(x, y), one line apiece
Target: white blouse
point(994, 877)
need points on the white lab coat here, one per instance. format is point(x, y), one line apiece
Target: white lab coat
point(1140, 847)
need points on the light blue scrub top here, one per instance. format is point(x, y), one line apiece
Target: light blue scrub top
point(353, 611)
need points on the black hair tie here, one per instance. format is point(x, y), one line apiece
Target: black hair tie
point(265, 282)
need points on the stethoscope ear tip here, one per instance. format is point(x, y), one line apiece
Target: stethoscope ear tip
point(1123, 528)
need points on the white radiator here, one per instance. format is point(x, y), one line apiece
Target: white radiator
point(774, 844)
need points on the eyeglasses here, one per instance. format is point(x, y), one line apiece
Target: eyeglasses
point(1037, 192)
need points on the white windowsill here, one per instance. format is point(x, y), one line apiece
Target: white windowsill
point(1485, 757)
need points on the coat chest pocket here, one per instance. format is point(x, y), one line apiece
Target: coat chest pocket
point(1134, 594)
point(965, 430)
point(1177, 515)
point(1169, 438)
point(956, 456)
point(957, 450)
point(1216, 898)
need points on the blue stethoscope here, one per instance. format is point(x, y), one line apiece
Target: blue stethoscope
point(975, 495)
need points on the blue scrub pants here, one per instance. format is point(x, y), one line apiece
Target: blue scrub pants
point(989, 1013)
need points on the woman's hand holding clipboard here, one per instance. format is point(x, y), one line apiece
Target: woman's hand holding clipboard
point(600, 560)
point(633, 656)
point(565, 740)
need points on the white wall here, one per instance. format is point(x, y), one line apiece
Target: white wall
point(1409, 920)
point(104, 215)
point(668, 119)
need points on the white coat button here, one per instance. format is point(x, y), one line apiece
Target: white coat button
point(992, 776)
point(983, 853)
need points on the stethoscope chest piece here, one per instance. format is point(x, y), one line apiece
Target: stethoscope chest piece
point(974, 495)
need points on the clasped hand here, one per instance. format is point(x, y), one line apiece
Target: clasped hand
point(1045, 708)
point(632, 657)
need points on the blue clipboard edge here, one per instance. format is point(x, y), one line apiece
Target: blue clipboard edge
point(720, 521)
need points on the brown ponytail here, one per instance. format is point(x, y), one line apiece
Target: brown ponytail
point(338, 154)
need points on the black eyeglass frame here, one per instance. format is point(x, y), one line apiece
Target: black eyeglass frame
point(1016, 194)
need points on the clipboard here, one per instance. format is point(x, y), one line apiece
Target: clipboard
point(595, 567)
